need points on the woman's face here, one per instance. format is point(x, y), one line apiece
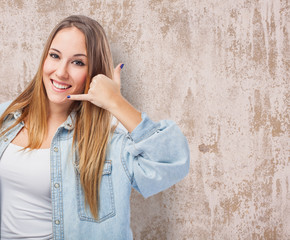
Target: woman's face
point(66, 66)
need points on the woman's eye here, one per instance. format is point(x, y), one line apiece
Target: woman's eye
point(79, 63)
point(53, 55)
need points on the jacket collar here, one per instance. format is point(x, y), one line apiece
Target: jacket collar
point(69, 124)
point(17, 114)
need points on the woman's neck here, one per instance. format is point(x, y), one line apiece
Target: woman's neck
point(56, 113)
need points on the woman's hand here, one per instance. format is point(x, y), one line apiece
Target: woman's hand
point(105, 93)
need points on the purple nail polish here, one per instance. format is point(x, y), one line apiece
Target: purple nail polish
point(68, 96)
point(122, 65)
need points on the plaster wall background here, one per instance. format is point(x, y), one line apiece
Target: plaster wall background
point(220, 69)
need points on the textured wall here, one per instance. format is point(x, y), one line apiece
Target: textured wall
point(220, 69)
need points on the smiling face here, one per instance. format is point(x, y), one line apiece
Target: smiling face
point(66, 67)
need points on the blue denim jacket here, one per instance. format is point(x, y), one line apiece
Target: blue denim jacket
point(150, 159)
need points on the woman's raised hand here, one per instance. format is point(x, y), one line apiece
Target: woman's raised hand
point(103, 91)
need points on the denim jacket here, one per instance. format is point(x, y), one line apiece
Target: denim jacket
point(151, 158)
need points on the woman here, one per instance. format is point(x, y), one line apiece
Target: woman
point(65, 171)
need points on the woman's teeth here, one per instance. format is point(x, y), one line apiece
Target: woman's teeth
point(60, 86)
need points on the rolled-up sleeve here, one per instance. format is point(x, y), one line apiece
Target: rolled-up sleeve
point(156, 156)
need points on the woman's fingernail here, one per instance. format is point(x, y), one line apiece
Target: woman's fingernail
point(68, 96)
point(122, 65)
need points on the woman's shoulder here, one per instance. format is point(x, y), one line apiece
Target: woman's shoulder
point(4, 106)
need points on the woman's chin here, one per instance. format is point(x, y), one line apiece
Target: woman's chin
point(61, 101)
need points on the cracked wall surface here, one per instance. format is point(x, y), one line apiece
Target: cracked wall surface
point(220, 69)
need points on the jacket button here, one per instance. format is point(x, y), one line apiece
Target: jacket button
point(5, 139)
point(57, 222)
point(55, 149)
point(56, 185)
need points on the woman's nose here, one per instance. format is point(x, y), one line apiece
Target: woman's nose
point(62, 71)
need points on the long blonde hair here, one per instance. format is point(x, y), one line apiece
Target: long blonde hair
point(93, 124)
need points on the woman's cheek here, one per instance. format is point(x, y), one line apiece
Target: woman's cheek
point(82, 82)
point(47, 67)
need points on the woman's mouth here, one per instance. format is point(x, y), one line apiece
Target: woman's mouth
point(60, 86)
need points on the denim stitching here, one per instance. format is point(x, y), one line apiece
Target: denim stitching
point(130, 178)
point(81, 208)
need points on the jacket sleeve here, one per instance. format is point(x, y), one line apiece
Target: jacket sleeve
point(155, 156)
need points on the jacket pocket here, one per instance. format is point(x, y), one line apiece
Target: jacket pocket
point(106, 204)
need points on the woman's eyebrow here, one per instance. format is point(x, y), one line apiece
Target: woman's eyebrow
point(76, 55)
point(80, 55)
point(55, 50)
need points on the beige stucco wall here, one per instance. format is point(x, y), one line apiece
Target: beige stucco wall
point(220, 69)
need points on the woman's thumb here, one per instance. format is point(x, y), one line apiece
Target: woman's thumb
point(117, 73)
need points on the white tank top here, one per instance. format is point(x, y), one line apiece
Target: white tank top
point(25, 194)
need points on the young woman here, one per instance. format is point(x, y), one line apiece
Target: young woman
point(65, 171)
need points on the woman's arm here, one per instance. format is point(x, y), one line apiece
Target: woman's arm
point(155, 155)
